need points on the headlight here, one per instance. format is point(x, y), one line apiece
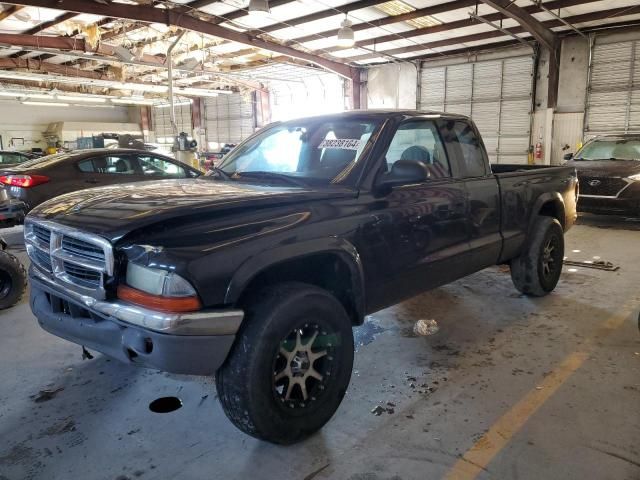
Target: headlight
point(634, 177)
point(158, 289)
point(158, 282)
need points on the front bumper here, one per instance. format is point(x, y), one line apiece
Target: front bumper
point(194, 344)
point(609, 205)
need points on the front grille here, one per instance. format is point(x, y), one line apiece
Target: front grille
point(42, 259)
point(74, 258)
point(602, 186)
point(82, 276)
point(42, 234)
point(83, 249)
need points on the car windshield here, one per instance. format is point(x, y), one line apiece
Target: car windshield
point(316, 151)
point(604, 149)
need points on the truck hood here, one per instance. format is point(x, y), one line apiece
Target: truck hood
point(114, 211)
point(606, 168)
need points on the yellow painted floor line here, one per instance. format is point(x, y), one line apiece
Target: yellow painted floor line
point(477, 458)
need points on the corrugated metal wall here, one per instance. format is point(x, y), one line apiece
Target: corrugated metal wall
point(496, 94)
point(230, 118)
point(613, 99)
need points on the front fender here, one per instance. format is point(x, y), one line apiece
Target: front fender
point(269, 258)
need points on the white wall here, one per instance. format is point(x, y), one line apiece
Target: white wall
point(29, 121)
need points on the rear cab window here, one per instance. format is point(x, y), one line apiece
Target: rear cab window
point(464, 144)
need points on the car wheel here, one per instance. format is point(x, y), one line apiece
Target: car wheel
point(290, 365)
point(537, 270)
point(13, 280)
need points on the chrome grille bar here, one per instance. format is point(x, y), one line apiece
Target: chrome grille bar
point(79, 260)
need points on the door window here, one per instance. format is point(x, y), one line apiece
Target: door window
point(462, 138)
point(10, 157)
point(419, 140)
point(112, 164)
point(159, 167)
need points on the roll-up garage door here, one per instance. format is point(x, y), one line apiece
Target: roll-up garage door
point(230, 118)
point(613, 98)
point(496, 94)
point(162, 122)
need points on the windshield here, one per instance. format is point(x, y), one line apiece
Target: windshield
point(310, 151)
point(620, 149)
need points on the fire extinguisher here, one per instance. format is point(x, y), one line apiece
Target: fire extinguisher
point(538, 151)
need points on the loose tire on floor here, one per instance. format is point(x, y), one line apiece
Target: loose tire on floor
point(537, 270)
point(13, 280)
point(290, 365)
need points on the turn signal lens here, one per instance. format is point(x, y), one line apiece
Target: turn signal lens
point(156, 302)
point(24, 181)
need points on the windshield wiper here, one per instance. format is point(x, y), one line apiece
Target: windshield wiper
point(270, 176)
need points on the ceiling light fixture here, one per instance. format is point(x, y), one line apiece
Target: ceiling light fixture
point(131, 101)
point(346, 36)
point(176, 104)
point(124, 54)
point(72, 98)
point(259, 7)
point(48, 104)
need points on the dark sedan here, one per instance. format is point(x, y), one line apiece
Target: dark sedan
point(40, 179)
point(609, 173)
point(9, 159)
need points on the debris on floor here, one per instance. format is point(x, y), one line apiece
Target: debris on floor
point(598, 264)
point(424, 328)
point(380, 409)
point(46, 395)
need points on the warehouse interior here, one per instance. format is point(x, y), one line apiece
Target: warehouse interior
point(504, 385)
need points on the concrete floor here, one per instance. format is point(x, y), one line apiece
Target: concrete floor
point(528, 388)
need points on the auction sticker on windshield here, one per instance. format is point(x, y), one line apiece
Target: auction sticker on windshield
point(341, 143)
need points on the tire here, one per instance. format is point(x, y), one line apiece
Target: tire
point(537, 270)
point(271, 348)
point(13, 280)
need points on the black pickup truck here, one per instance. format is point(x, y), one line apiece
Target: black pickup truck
point(258, 272)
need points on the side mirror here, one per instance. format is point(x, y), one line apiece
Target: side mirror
point(568, 156)
point(404, 172)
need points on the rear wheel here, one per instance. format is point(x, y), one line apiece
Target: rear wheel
point(290, 365)
point(537, 270)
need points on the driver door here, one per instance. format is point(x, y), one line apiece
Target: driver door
point(417, 236)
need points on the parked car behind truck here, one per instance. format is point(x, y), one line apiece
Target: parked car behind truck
point(609, 172)
point(258, 273)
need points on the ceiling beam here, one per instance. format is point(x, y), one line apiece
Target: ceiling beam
point(65, 44)
point(587, 17)
point(33, 64)
point(537, 29)
point(467, 22)
point(10, 11)
point(169, 17)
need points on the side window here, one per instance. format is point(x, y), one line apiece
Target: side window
point(11, 158)
point(159, 167)
point(86, 166)
point(462, 137)
point(419, 140)
point(112, 164)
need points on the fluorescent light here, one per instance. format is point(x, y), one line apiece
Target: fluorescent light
point(176, 104)
point(9, 94)
point(345, 34)
point(131, 101)
point(259, 7)
point(72, 98)
point(40, 96)
point(48, 104)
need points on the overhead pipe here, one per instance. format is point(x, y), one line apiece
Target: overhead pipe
point(169, 60)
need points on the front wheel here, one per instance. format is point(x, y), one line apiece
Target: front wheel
point(290, 365)
point(537, 270)
point(13, 280)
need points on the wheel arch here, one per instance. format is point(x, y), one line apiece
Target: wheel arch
point(549, 204)
point(329, 263)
